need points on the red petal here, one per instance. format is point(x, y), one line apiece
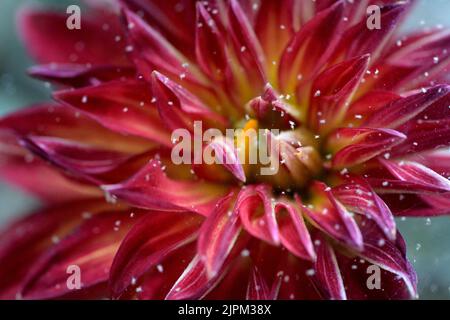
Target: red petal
point(357, 145)
point(151, 51)
point(424, 135)
point(150, 188)
point(179, 108)
point(311, 47)
point(63, 122)
point(361, 40)
point(152, 238)
point(193, 283)
point(48, 40)
point(210, 45)
point(82, 160)
point(332, 91)
point(175, 19)
point(243, 35)
point(369, 103)
point(360, 198)
point(257, 287)
point(417, 174)
point(27, 173)
point(34, 234)
point(91, 247)
point(218, 235)
point(388, 256)
point(400, 111)
point(419, 60)
point(328, 273)
point(331, 216)
point(80, 75)
point(122, 106)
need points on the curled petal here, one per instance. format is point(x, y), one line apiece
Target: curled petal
point(227, 155)
point(257, 214)
point(79, 159)
point(293, 233)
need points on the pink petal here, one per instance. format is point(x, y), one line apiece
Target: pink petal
point(174, 19)
point(63, 122)
point(151, 51)
point(82, 160)
point(360, 40)
point(32, 235)
point(424, 135)
point(210, 46)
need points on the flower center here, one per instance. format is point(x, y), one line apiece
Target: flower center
point(286, 159)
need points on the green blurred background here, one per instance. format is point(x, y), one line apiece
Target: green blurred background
point(428, 240)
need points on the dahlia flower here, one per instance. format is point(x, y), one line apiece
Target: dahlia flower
point(363, 122)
